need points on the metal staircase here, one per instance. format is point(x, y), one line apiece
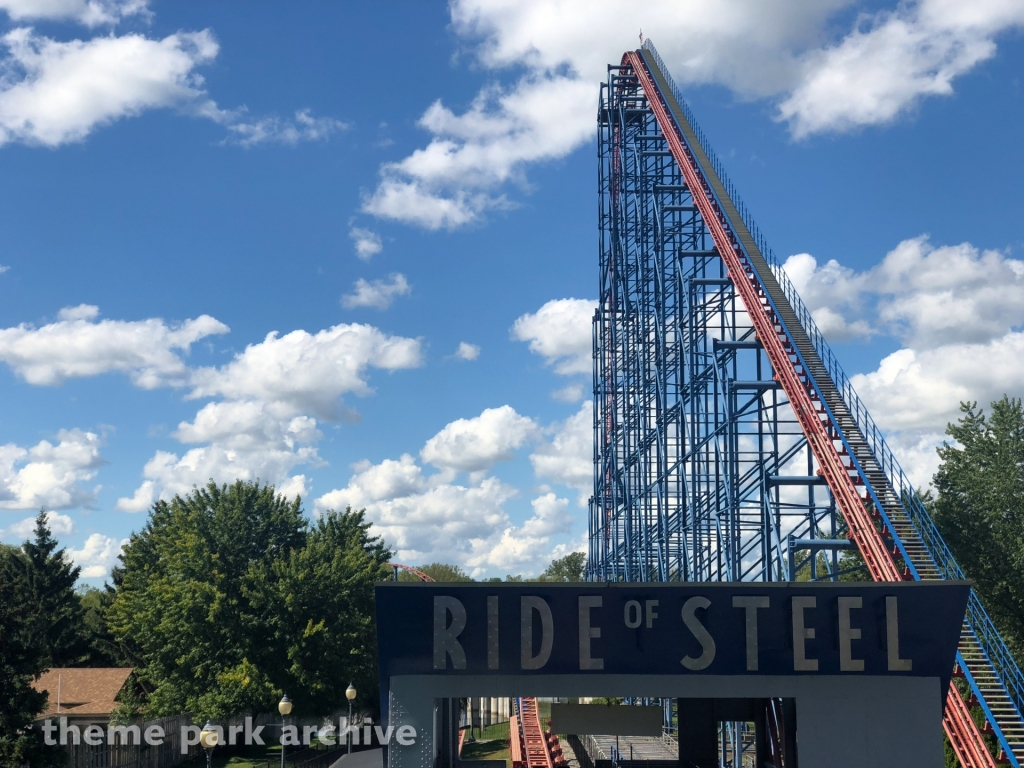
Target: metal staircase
point(884, 515)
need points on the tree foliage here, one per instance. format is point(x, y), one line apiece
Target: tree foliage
point(980, 508)
point(568, 568)
point(59, 625)
point(22, 659)
point(438, 572)
point(228, 598)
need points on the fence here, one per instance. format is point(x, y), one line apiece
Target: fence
point(144, 755)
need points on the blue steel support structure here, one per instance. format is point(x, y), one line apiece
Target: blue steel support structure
point(702, 470)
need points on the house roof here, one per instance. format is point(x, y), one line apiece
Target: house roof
point(83, 691)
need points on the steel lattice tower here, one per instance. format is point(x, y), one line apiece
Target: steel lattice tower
point(728, 439)
point(702, 471)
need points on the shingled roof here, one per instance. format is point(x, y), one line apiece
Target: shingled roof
point(83, 691)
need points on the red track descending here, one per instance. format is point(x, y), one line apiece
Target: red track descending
point(534, 745)
point(964, 734)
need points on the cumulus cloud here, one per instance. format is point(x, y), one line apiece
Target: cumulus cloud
point(479, 443)
point(264, 424)
point(448, 183)
point(926, 296)
point(54, 92)
point(822, 77)
point(379, 294)
point(275, 130)
point(957, 311)
point(91, 13)
point(571, 393)
point(98, 555)
point(367, 242)
point(78, 345)
point(528, 547)
point(568, 458)
point(560, 331)
point(467, 351)
point(434, 518)
point(828, 291)
point(50, 475)
point(60, 525)
point(893, 59)
point(308, 372)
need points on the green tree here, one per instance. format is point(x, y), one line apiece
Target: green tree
point(103, 649)
point(59, 615)
point(568, 568)
point(979, 508)
point(228, 597)
point(22, 660)
point(316, 608)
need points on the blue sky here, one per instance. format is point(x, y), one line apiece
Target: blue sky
point(350, 248)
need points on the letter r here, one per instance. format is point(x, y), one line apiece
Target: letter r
point(446, 635)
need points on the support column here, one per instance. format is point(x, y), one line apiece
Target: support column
point(698, 733)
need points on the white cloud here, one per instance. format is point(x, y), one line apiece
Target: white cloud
point(76, 346)
point(528, 547)
point(467, 351)
point(958, 312)
point(568, 459)
point(953, 293)
point(425, 522)
point(571, 393)
point(789, 51)
point(448, 183)
point(560, 331)
point(827, 292)
point(379, 294)
point(48, 475)
point(98, 555)
point(308, 372)
point(60, 525)
point(431, 518)
point(53, 93)
point(88, 12)
point(140, 501)
point(4, 268)
point(926, 296)
point(367, 242)
point(548, 112)
point(476, 444)
point(274, 130)
point(892, 60)
point(262, 427)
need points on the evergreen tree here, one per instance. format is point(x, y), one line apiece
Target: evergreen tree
point(103, 649)
point(980, 508)
point(22, 660)
point(59, 615)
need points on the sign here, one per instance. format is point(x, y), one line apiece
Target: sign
point(789, 628)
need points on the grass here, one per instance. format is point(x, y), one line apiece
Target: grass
point(492, 749)
point(255, 756)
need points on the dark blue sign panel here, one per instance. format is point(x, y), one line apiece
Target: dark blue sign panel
point(657, 629)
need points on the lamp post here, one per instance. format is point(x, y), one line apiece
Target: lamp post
point(350, 694)
point(208, 740)
point(284, 706)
